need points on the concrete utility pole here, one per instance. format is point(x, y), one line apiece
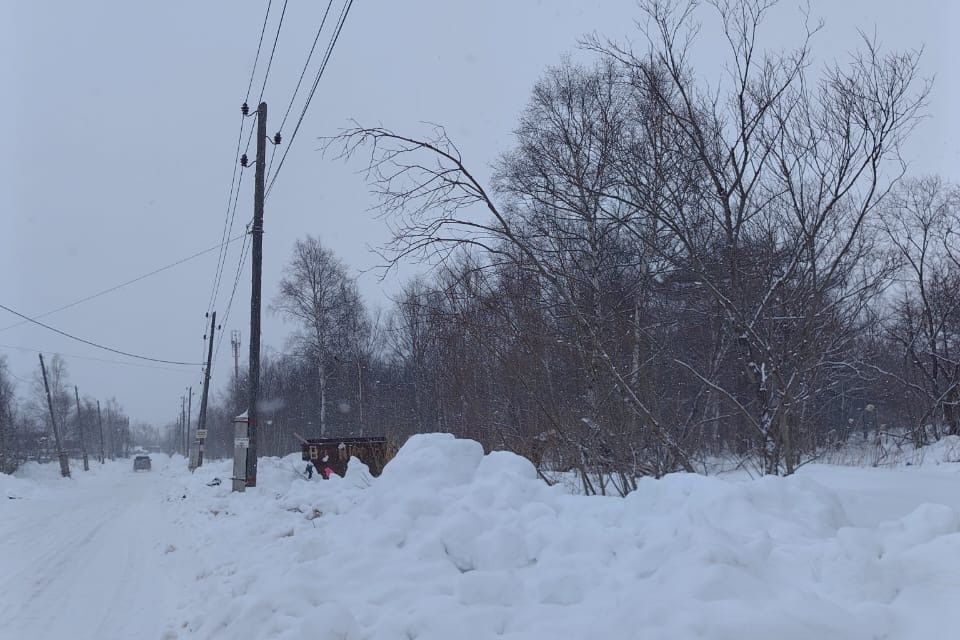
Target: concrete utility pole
point(253, 425)
point(202, 420)
point(61, 454)
point(103, 455)
point(83, 436)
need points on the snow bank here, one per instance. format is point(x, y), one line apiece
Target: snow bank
point(34, 479)
point(946, 450)
point(891, 450)
point(13, 487)
point(450, 543)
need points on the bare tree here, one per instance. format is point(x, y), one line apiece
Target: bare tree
point(317, 293)
point(758, 192)
point(8, 458)
point(773, 221)
point(432, 193)
point(922, 221)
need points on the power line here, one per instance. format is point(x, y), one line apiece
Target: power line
point(273, 156)
point(306, 64)
point(257, 58)
point(15, 376)
point(124, 284)
point(313, 89)
point(91, 358)
point(228, 216)
point(228, 228)
point(94, 344)
point(303, 73)
point(323, 65)
point(276, 39)
point(221, 258)
point(253, 128)
point(236, 281)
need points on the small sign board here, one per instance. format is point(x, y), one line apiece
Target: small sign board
point(241, 443)
point(201, 433)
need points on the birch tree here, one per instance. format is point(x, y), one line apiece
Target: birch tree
point(317, 293)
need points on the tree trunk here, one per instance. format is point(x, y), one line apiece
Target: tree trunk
point(322, 372)
point(360, 394)
point(786, 440)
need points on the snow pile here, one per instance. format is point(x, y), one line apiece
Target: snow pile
point(37, 473)
point(13, 487)
point(33, 479)
point(450, 543)
point(891, 450)
point(946, 450)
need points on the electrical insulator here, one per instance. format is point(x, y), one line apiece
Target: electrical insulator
point(276, 138)
point(245, 109)
point(243, 160)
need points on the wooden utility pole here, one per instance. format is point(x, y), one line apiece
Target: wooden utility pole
point(103, 455)
point(61, 454)
point(183, 414)
point(253, 425)
point(83, 436)
point(202, 420)
point(186, 436)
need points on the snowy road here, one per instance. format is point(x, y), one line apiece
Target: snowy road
point(89, 560)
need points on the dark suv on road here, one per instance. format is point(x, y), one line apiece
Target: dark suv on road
point(141, 463)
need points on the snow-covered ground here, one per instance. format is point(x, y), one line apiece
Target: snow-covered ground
point(452, 544)
point(86, 557)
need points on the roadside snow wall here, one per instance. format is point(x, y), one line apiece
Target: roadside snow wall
point(450, 543)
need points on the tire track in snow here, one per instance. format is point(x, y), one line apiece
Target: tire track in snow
point(87, 561)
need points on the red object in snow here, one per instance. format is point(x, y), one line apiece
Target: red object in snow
point(327, 472)
point(335, 453)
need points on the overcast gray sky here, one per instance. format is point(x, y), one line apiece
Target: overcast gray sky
point(121, 124)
